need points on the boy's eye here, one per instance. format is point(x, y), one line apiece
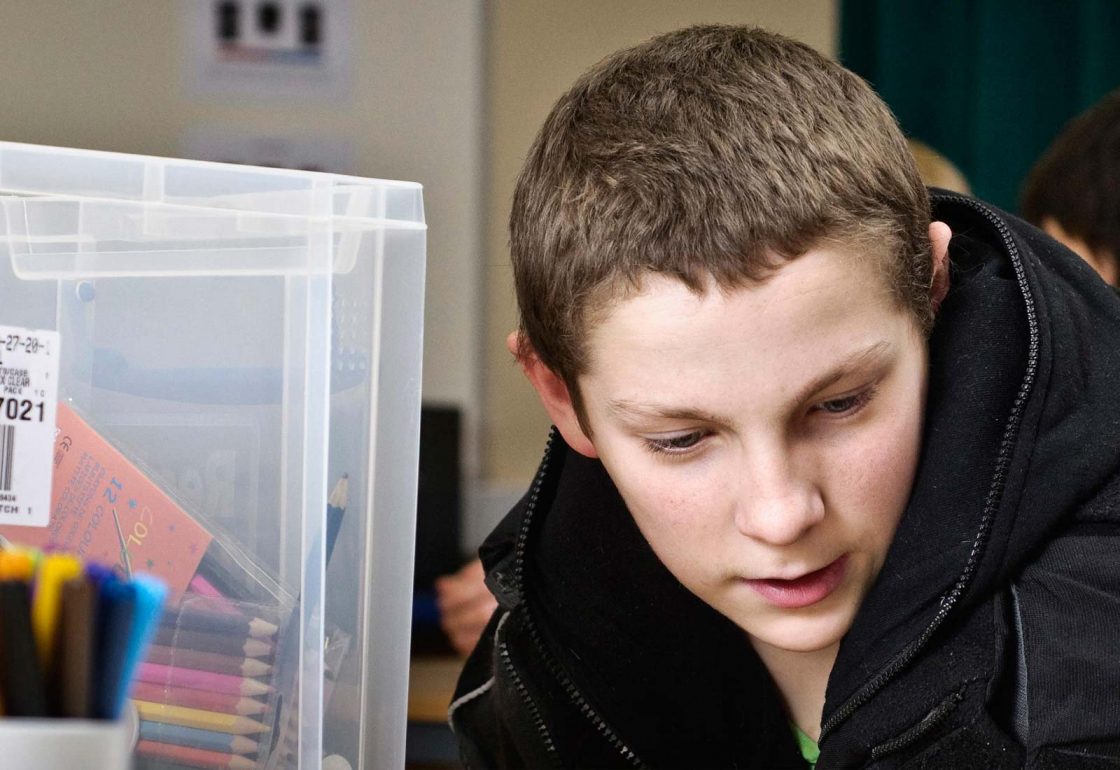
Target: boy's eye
point(675, 444)
point(840, 407)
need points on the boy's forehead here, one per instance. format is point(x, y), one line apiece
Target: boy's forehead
point(847, 254)
point(658, 308)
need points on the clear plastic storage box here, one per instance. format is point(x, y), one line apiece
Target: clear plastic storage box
point(244, 345)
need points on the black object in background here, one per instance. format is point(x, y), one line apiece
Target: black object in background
point(269, 18)
point(310, 26)
point(439, 501)
point(229, 21)
point(438, 508)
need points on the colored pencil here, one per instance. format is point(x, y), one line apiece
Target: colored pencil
point(198, 699)
point(196, 738)
point(208, 661)
point(21, 678)
point(98, 574)
point(213, 604)
point(336, 509)
point(201, 587)
point(55, 569)
point(206, 720)
point(157, 673)
point(198, 619)
point(116, 609)
point(16, 565)
point(199, 757)
point(204, 587)
point(73, 667)
point(150, 595)
point(204, 641)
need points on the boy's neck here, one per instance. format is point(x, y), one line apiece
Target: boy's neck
point(801, 678)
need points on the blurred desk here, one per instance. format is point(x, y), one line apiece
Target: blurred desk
point(431, 683)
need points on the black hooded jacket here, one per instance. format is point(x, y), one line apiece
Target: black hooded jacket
point(990, 639)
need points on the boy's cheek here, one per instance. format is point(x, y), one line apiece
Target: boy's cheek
point(671, 507)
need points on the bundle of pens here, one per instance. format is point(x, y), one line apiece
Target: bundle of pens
point(71, 634)
point(207, 693)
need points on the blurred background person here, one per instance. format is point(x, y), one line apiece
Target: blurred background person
point(936, 170)
point(465, 606)
point(1073, 191)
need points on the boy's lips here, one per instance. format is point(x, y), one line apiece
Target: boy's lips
point(802, 591)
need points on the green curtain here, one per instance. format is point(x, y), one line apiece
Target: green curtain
point(989, 83)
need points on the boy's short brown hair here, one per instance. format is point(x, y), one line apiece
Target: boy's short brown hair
point(711, 154)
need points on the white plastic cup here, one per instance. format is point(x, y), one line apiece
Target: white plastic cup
point(66, 744)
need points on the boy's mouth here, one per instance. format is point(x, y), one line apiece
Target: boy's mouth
point(803, 591)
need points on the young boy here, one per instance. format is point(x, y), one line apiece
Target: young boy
point(818, 476)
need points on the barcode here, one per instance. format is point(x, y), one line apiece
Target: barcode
point(7, 453)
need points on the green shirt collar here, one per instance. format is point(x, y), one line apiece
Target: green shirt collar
point(809, 749)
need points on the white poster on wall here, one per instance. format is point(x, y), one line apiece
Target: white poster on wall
point(300, 152)
point(267, 49)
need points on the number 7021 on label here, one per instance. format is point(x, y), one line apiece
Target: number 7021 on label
point(22, 409)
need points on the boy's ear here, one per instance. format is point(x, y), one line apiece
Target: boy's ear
point(553, 393)
point(939, 237)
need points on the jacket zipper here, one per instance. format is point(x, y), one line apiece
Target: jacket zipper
point(553, 666)
point(930, 721)
point(991, 502)
point(518, 682)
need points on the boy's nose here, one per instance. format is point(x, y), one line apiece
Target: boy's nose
point(777, 503)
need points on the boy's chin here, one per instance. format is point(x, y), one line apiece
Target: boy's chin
point(801, 635)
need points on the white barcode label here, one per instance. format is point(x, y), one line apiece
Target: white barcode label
point(28, 399)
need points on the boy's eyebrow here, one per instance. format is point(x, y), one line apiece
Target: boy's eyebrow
point(626, 408)
point(872, 354)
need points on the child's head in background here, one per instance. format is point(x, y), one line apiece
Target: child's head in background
point(1072, 192)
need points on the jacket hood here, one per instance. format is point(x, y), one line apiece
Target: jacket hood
point(1024, 365)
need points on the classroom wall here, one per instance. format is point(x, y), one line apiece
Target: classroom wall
point(536, 50)
point(116, 76)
